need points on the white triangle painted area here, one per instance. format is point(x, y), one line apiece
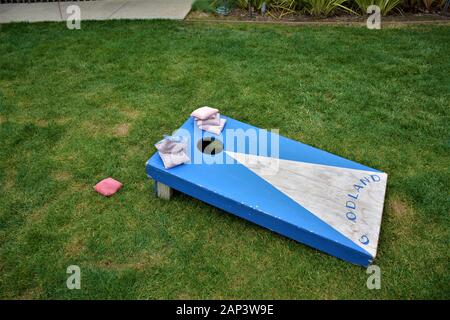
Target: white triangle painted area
point(329, 192)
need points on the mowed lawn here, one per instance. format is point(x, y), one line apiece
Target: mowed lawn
point(79, 106)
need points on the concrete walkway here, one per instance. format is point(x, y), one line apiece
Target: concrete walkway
point(96, 10)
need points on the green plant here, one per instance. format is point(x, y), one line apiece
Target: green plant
point(428, 4)
point(275, 8)
point(324, 7)
point(280, 8)
point(243, 4)
point(203, 5)
point(411, 5)
point(386, 6)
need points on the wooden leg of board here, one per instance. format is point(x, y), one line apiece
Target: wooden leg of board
point(163, 191)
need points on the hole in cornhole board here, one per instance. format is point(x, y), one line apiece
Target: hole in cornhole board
point(210, 145)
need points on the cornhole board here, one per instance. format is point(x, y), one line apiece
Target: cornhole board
point(316, 198)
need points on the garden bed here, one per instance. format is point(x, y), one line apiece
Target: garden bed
point(242, 15)
point(285, 11)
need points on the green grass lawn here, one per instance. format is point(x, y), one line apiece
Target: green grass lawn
point(78, 106)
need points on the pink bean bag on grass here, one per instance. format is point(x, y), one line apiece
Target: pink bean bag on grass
point(107, 187)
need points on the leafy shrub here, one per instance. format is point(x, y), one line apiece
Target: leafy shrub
point(203, 5)
point(415, 5)
point(243, 4)
point(386, 6)
point(428, 4)
point(275, 8)
point(324, 7)
point(280, 8)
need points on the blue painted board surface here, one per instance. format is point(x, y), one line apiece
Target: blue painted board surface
point(234, 188)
